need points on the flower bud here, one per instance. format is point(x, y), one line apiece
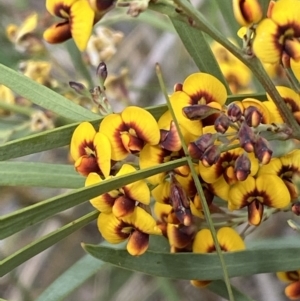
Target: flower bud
point(211, 156)
point(101, 72)
point(255, 212)
point(247, 12)
point(205, 141)
point(296, 208)
point(242, 167)
point(78, 87)
point(170, 140)
point(198, 112)
point(222, 123)
point(262, 150)
point(177, 87)
point(180, 202)
point(247, 138)
point(252, 116)
point(234, 112)
point(194, 151)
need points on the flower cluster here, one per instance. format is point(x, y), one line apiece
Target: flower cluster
point(232, 156)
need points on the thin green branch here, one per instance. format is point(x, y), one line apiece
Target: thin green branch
point(198, 186)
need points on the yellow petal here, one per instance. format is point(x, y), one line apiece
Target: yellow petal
point(81, 21)
point(230, 240)
point(286, 12)
point(247, 12)
point(103, 153)
point(239, 192)
point(110, 228)
point(111, 126)
point(57, 33)
point(82, 136)
point(203, 242)
point(161, 211)
point(204, 88)
point(104, 202)
point(137, 191)
point(266, 44)
point(277, 194)
point(27, 26)
point(143, 123)
point(142, 221)
point(274, 167)
point(161, 193)
point(151, 156)
point(138, 243)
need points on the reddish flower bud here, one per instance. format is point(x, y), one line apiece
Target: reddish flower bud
point(170, 140)
point(242, 167)
point(197, 112)
point(262, 150)
point(247, 138)
point(101, 71)
point(234, 112)
point(180, 202)
point(177, 87)
point(211, 156)
point(78, 87)
point(222, 123)
point(252, 116)
point(296, 208)
point(194, 151)
point(205, 141)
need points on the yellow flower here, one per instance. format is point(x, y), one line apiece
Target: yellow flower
point(129, 131)
point(247, 12)
point(79, 17)
point(278, 34)
point(292, 291)
point(229, 240)
point(122, 201)
point(255, 193)
point(135, 227)
point(90, 150)
point(6, 96)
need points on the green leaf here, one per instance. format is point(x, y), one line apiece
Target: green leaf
point(39, 245)
point(196, 44)
point(43, 96)
point(40, 142)
point(20, 219)
point(219, 288)
point(39, 175)
point(202, 266)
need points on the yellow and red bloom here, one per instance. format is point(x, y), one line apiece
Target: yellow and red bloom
point(247, 12)
point(292, 291)
point(198, 89)
point(90, 150)
point(79, 17)
point(122, 201)
point(278, 34)
point(287, 168)
point(129, 131)
point(229, 240)
point(136, 227)
point(255, 193)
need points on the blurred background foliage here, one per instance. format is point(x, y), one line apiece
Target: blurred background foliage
point(146, 40)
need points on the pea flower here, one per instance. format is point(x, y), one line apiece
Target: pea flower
point(135, 227)
point(278, 34)
point(90, 150)
point(247, 12)
point(129, 131)
point(229, 240)
point(255, 193)
point(292, 291)
point(122, 201)
point(79, 17)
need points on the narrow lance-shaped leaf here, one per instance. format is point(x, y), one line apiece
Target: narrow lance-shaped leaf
point(39, 175)
point(36, 247)
point(202, 266)
point(20, 219)
point(43, 96)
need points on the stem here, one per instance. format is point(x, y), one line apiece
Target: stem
point(292, 79)
point(253, 63)
point(198, 186)
point(16, 109)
